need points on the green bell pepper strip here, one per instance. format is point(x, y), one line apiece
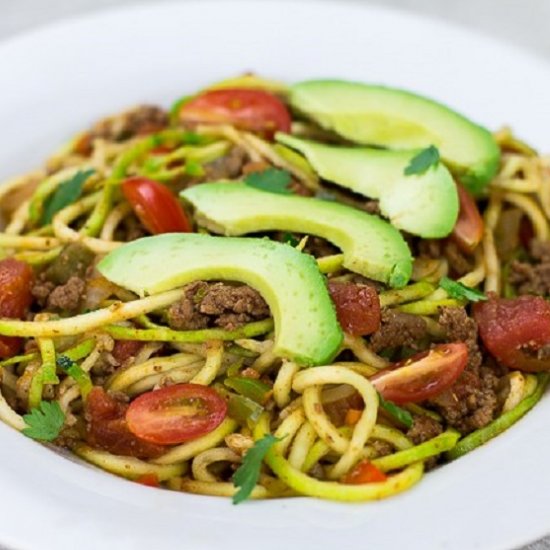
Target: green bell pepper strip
point(249, 387)
point(502, 423)
point(244, 410)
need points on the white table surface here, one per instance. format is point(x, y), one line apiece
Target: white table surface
point(523, 22)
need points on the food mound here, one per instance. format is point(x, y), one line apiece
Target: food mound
point(324, 289)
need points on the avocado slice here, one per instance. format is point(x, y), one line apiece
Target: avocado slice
point(371, 246)
point(398, 119)
point(424, 204)
point(306, 327)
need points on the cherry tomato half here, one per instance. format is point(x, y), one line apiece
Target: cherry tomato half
point(364, 472)
point(357, 307)
point(15, 299)
point(107, 428)
point(252, 110)
point(176, 414)
point(153, 203)
point(514, 329)
point(423, 376)
point(468, 230)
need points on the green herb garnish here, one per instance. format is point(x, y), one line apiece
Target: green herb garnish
point(44, 422)
point(271, 180)
point(460, 291)
point(248, 473)
point(80, 376)
point(290, 239)
point(401, 415)
point(67, 193)
point(423, 161)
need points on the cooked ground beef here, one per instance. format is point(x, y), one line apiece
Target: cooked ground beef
point(229, 166)
point(216, 304)
point(423, 429)
point(459, 264)
point(144, 119)
point(318, 247)
point(381, 448)
point(399, 329)
point(471, 402)
point(461, 328)
point(533, 277)
point(73, 261)
point(67, 297)
point(372, 207)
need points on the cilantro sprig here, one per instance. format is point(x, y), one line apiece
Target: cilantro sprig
point(44, 422)
point(66, 193)
point(423, 161)
point(401, 415)
point(271, 180)
point(459, 291)
point(80, 376)
point(248, 473)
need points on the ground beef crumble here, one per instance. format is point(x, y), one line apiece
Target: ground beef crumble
point(144, 119)
point(399, 329)
point(424, 428)
point(471, 402)
point(216, 304)
point(532, 277)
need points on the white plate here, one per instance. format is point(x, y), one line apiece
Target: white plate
point(56, 81)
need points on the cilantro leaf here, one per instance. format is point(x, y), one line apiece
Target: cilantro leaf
point(75, 371)
point(248, 473)
point(460, 291)
point(423, 161)
point(66, 193)
point(290, 239)
point(44, 422)
point(271, 180)
point(398, 413)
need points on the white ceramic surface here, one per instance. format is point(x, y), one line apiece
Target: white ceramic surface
point(55, 81)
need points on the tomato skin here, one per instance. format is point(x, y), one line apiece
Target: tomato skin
point(16, 279)
point(364, 472)
point(176, 414)
point(149, 480)
point(107, 428)
point(468, 230)
point(423, 376)
point(124, 349)
point(357, 307)
point(253, 110)
point(511, 327)
point(155, 206)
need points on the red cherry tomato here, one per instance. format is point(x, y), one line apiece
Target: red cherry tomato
point(153, 203)
point(364, 472)
point(107, 428)
point(176, 414)
point(357, 307)
point(15, 299)
point(252, 110)
point(468, 230)
point(424, 375)
point(149, 480)
point(514, 329)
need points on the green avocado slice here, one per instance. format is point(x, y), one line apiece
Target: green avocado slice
point(306, 327)
point(424, 204)
point(398, 119)
point(371, 246)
